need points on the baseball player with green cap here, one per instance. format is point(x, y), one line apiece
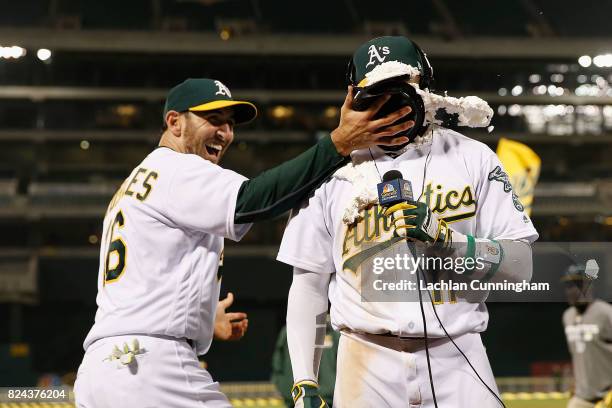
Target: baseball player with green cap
point(162, 245)
point(343, 241)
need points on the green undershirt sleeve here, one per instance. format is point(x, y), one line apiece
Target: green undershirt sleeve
point(281, 188)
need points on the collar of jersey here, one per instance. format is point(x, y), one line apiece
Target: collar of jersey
point(409, 152)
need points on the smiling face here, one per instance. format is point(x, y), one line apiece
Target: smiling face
point(207, 134)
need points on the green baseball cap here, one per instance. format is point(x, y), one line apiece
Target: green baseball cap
point(204, 94)
point(392, 53)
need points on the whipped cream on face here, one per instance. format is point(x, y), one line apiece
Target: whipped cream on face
point(472, 111)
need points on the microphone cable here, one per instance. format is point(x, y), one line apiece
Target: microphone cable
point(420, 271)
point(431, 382)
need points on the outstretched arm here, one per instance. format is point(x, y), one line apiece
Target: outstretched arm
point(279, 189)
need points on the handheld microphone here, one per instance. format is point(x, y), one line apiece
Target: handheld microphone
point(394, 189)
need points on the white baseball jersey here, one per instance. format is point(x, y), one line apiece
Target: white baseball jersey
point(463, 182)
point(161, 247)
point(589, 337)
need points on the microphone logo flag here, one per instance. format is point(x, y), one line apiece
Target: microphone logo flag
point(394, 191)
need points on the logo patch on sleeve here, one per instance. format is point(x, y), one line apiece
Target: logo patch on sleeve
point(497, 174)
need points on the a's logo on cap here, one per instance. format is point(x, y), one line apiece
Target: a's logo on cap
point(388, 188)
point(223, 90)
point(373, 53)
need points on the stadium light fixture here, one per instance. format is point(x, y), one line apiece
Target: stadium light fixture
point(603, 60)
point(535, 78)
point(225, 34)
point(514, 110)
point(43, 54)
point(557, 78)
point(17, 52)
point(282, 112)
point(585, 61)
point(13, 52)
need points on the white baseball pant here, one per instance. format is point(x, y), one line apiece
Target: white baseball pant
point(379, 371)
point(167, 374)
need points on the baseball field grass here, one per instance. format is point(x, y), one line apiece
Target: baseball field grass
point(548, 403)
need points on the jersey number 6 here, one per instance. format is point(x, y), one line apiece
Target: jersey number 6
point(117, 251)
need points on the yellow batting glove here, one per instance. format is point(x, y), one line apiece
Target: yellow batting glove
point(415, 221)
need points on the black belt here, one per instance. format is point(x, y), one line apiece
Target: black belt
point(394, 342)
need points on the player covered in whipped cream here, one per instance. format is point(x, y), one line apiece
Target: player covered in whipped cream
point(463, 206)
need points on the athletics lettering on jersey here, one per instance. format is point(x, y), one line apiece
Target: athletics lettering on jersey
point(372, 233)
point(442, 201)
point(372, 227)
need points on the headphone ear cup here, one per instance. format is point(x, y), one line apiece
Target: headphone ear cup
point(427, 78)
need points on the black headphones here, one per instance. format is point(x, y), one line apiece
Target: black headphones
point(427, 78)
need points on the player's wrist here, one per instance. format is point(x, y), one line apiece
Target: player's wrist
point(307, 383)
point(458, 243)
point(305, 394)
point(482, 255)
point(338, 139)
